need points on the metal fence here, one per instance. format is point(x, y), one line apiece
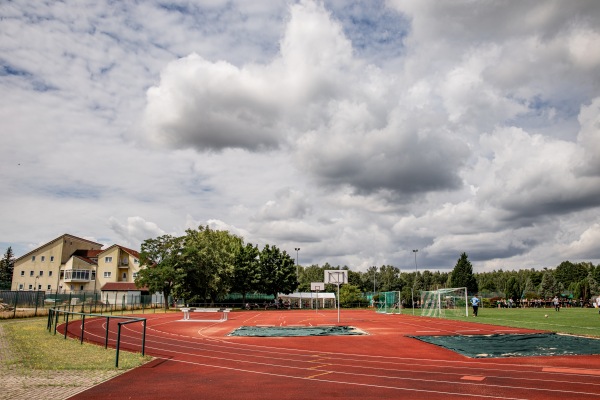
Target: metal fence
point(34, 303)
point(55, 313)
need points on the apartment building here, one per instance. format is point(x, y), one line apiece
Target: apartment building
point(72, 264)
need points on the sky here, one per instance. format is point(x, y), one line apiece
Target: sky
point(356, 131)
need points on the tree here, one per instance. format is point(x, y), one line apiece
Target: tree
point(246, 271)
point(513, 289)
point(350, 296)
point(7, 266)
point(210, 258)
point(462, 275)
point(163, 260)
point(548, 286)
point(314, 273)
point(390, 278)
point(567, 273)
point(278, 272)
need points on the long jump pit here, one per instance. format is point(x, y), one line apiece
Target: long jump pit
point(379, 356)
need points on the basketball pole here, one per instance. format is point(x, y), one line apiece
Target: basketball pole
point(338, 301)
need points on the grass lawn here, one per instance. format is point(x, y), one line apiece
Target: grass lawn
point(34, 348)
point(576, 321)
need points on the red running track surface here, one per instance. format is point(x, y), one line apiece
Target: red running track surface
point(197, 360)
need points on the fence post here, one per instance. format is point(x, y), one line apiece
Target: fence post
point(82, 327)
point(49, 325)
point(37, 296)
point(67, 324)
point(16, 299)
point(118, 343)
point(144, 340)
point(106, 337)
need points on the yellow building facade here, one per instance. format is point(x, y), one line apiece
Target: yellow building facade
point(69, 264)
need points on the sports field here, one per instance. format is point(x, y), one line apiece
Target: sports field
point(199, 360)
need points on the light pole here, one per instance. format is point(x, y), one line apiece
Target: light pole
point(415, 281)
point(374, 277)
point(297, 265)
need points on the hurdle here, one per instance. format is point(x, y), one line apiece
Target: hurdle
point(186, 314)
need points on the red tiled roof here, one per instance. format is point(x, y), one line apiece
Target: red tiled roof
point(125, 249)
point(121, 287)
point(87, 253)
point(87, 260)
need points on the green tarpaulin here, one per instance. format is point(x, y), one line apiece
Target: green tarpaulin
point(544, 344)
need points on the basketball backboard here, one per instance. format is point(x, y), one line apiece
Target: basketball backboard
point(317, 286)
point(336, 277)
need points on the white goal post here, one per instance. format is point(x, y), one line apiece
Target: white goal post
point(445, 303)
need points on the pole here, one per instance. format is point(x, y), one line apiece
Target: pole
point(415, 281)
point(338, 301)
point(297, 265)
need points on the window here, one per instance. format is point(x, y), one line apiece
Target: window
point(30, 287)
point(135, 275)
point(30, 273)
point(49, 288)
point(107, 274)
point(135, 261)
point(81, 287)
point(22, 273)
point(43, 258)
point(41, 273)
point(49, 273)
point(32, 258)
point(51, 258)
point(20, 286)
point(124, 276)
point(93, 275)
point(108, 260)
point(39, 287)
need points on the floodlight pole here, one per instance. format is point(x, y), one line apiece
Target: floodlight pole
point(414, 282)
point(297, 265)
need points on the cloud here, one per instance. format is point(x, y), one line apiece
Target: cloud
point(587, 244)
point(134, 231)
point(357, 131)
point(338, 114)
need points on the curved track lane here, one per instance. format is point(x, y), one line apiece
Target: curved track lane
point(198, 360)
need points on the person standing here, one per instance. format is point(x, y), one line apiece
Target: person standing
point(475, 304)
point(556, 303)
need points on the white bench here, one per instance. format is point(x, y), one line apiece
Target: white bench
point(224, 311)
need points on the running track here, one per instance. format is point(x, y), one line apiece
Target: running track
point(197, 360)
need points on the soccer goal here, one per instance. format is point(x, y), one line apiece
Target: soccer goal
point(445, 303)
point(388, 303)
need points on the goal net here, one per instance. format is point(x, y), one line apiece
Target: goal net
point(388, 303)
point(445, 303)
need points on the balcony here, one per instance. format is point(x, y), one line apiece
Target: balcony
point(77, 275)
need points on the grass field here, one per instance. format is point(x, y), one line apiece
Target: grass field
point(575, 321)
point(33, 347)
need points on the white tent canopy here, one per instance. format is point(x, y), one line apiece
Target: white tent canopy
point(309, 299)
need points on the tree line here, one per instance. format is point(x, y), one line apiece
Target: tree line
point(205, 265)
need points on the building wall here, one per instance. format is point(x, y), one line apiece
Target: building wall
point(116, 265)
point(41, 268)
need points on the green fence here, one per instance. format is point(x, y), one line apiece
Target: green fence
point(34, 303)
